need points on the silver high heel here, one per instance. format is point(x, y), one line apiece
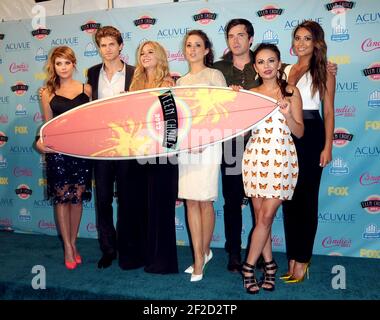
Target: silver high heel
point(207, 259)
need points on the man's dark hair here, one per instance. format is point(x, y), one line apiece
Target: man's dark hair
point(234, 22)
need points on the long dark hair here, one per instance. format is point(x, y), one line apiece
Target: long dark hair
point(318, 63)
point(209, 58)
point(281, 78)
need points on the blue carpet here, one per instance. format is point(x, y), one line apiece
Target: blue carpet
point(20, 252)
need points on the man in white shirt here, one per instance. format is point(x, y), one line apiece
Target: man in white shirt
point(107, 79)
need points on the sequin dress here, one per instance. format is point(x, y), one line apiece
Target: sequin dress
point(270, 164)
point(66, 174)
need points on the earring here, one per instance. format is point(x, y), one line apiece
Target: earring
point(257, 76)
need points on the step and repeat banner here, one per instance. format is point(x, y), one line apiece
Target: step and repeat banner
point(349, 212)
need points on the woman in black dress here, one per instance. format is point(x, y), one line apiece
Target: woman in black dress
point(68, 178)
point(157, 178)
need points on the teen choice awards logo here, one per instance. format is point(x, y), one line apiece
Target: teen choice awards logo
point(23, 191)
point(270, 12)
point(90, 27)
point(342, 137)
point(371, 204)
point(19, 88)
point(145, 22)
point(205, 16)
point(373, 71)
point(168, 120)
point(339, 7)
point(3, 139)
point(40, 33)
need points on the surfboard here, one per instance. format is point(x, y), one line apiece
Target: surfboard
point(155, 122)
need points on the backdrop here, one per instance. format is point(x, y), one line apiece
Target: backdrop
point(350, 190)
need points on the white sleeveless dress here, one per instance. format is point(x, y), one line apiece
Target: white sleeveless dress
point(199, 172)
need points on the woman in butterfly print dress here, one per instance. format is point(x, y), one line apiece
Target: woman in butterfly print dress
point(270, 166)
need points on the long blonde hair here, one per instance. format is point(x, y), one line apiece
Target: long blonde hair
point(140, 79)
point(53, 82)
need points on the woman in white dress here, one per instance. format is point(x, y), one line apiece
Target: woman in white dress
point(199, 170)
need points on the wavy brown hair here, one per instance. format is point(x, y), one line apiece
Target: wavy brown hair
point(209, 58)
point(318, 63)
point(53, 82)
point(140, 79)
point(108, 31)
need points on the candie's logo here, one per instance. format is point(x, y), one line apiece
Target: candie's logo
point(270, 12)
point(345, 111)
point(371, 204)
point(21, 67)
point(144, 22)
point(20, 88)
point(91, 227)
point(367, 179)
point(370, 45)
point(205, 16)
point(338, 7)
point(23, 191)
point(40, 33)
point(175, 56)
point(330, 242)
point(90, 27)
point(373, 71)
point(341, 137)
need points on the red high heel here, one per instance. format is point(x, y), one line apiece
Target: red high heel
point(70, 265)
point(78, 259)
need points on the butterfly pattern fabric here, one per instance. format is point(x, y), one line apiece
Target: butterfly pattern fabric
point(270, 164)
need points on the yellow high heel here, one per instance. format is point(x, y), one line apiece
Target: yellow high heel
point(292, 279)
point(285, 276)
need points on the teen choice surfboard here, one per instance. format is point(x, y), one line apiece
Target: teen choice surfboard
point(155, 122)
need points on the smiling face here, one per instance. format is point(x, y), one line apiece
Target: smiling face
point(109, 49)
point(195, 50)
point(64, 67)
point(267, 64)
point(148, 56)
point(238, 40)
point(303, 43)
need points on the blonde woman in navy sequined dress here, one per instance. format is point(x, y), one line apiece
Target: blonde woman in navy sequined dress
point(68, 178)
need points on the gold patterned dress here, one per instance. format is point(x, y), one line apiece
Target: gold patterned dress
point(270, 164)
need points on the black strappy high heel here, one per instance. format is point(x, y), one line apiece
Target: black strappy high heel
point(250, 281)
point(269, 278)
